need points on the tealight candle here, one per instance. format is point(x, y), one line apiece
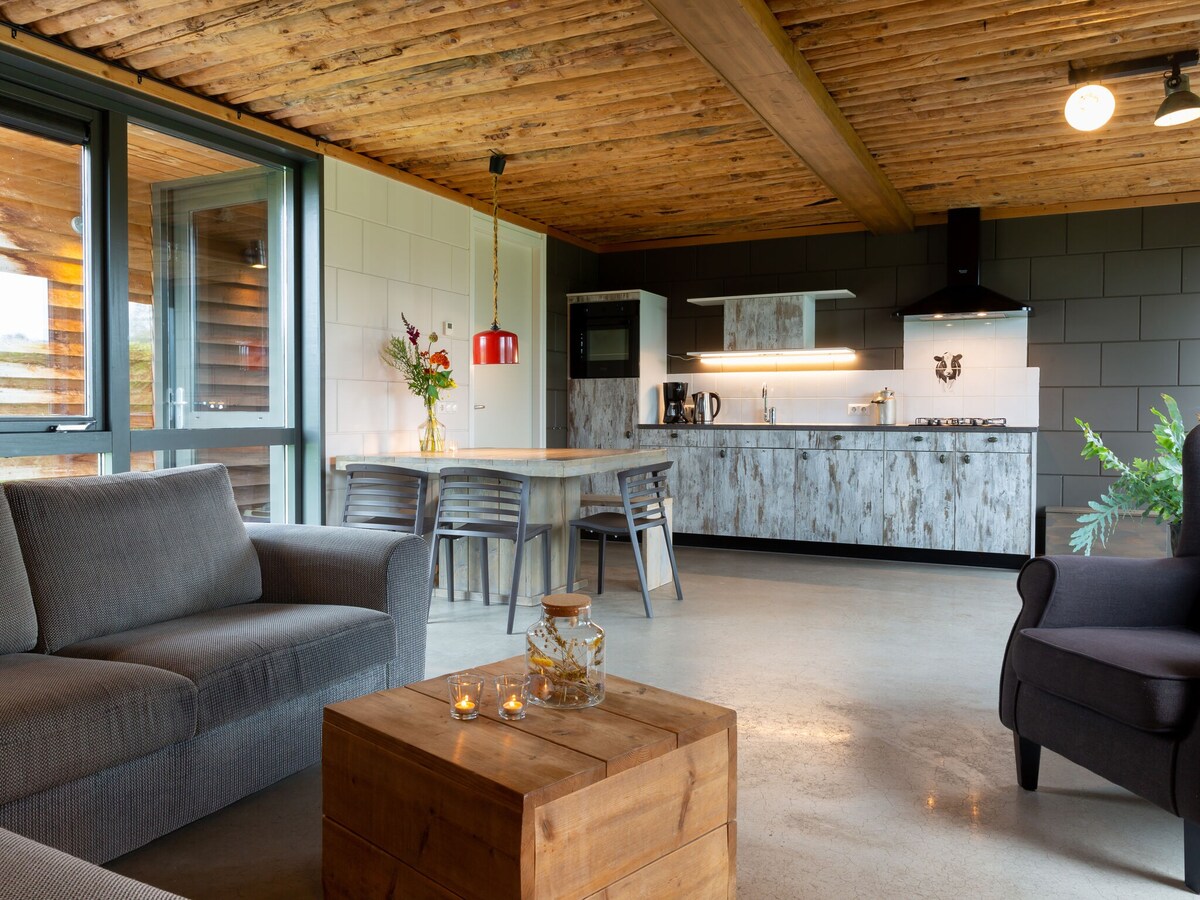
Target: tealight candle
point(466, 690)
point(513, 692)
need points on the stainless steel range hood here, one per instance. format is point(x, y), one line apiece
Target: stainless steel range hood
point(964, 297)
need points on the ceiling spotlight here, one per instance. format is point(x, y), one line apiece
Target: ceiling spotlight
point(1181, 104)
point(1089, 107)
point(1092, 104)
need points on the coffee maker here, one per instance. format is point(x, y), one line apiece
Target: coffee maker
point(674, 393)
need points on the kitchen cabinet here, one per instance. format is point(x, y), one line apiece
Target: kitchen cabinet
point(691, 477)
point(602, 414)
point(966, 491)
point(918, 502)
point(753, 492)
point(936, 489)
point(992, 485)
point(838, 481)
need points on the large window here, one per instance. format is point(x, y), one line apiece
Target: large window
point(148, 297)
point(44, 302)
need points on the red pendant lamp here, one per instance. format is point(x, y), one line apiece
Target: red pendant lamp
point(495, 346)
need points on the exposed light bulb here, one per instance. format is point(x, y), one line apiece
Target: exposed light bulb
point(1090, 107)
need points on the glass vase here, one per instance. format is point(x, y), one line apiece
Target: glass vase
point(432, 433)
point(564, 654)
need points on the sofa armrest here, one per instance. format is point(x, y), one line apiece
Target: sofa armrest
point(380, 570)
point(1058, 591)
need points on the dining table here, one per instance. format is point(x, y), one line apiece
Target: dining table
point(554, 498)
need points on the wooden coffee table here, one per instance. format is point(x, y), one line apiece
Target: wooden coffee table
point(633, 798)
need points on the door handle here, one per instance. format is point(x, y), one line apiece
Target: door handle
point(722, 454)
point(804, 454)
point(481, 406)
point(628, 434)
point(941, 457)
point(966, 457)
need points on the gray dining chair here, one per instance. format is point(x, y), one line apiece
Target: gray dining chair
point(386, 498)
point(489, 505)
point(643, 496)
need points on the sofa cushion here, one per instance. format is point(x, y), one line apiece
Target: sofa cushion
point(159, 545)
point(18, 623)
point(62, 719)
point(245, 658)
point(1143, 677)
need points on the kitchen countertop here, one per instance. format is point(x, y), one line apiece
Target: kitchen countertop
point(809, 426)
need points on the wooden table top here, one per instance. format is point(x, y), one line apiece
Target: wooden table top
point(548, 754)
point(538, 462)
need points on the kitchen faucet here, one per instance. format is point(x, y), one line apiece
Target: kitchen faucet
point(768, 412)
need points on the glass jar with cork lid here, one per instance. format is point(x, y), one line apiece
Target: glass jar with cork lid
point(564, 654)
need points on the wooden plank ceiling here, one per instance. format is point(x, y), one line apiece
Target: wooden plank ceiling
point(616, 132)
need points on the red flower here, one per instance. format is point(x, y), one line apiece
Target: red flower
point(440, 359)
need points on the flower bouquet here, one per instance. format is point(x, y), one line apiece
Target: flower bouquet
point(427, 373)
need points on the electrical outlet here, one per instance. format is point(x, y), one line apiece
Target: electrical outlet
point(448, 329)
point(857, 409)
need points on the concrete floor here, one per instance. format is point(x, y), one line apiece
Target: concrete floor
point(871, 759)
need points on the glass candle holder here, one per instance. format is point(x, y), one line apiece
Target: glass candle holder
point(512, 696)
point(466, 693)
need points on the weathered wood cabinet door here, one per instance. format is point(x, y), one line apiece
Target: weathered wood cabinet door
point(602, 413)
point(754, 496)
point(838, 496)
point(992, 508)
point(691, 480)
point(918, 501)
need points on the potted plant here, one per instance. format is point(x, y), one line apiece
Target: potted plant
point(427, 373)
point(1153, 486)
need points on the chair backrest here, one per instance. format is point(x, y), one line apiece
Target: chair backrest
point(387, 498)
point(472, 497)
point(643, 491)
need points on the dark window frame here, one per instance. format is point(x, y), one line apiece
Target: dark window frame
point(112, 108)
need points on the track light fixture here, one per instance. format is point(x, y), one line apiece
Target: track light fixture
point(1181, 104)
point(1092, 104)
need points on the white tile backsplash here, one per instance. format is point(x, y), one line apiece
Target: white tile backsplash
point(994, 380)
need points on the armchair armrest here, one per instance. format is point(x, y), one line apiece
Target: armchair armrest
point(1108, 591)
point(380, 570)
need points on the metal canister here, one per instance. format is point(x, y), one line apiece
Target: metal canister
point(885, 407)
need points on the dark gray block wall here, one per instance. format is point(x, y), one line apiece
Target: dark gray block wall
point(568, 269)
point(1116, 323)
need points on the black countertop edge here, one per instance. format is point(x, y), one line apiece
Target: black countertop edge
point(755, 426)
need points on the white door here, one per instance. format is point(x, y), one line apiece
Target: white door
point(509, 402)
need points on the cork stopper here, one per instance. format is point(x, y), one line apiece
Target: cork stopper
point(566, 604)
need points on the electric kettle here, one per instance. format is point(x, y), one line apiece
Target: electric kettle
point(708, 404)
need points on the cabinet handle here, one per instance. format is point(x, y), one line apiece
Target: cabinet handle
point(941, 457)
point(722, 454)
point(804, 454)
point(837, 437)
point(992, 439)
point(966, 457)
point(674, 435)
point(628, 434)
point(918, 438)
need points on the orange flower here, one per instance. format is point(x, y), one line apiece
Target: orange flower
point(440, 359)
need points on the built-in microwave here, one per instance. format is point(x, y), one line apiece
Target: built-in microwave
point(604, 338)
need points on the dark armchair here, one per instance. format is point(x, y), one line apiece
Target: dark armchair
point(1103, 668)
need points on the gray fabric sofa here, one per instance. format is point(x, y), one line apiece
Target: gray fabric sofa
point(159, 659)
point(33, 871)
point(1103, 667)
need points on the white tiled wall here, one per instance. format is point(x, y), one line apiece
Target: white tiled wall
point(994, 381)
point(390, 249)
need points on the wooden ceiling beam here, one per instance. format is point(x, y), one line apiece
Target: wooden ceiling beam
point(742, 42)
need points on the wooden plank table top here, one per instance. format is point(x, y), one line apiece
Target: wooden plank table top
point(536, 462)
point(609, 801)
